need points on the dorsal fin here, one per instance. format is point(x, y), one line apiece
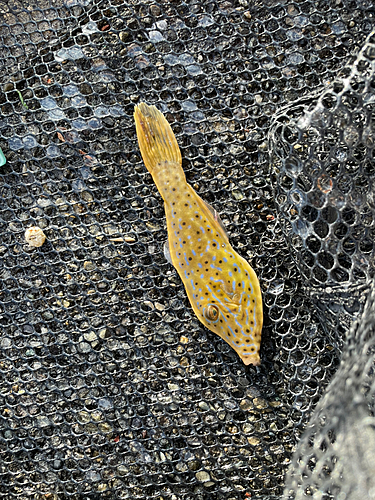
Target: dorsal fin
point(214, 214)
point(216, 217)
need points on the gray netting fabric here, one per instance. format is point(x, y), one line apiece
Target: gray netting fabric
point(109, 386)
point(322, 151)
point(336, 455)
point(326, 187)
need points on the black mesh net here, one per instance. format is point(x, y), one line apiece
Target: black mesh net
point(325, 191)
point(335, 458)
point(110, 387)
point(322, 151)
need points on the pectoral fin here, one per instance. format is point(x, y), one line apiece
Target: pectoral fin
point(167, 253)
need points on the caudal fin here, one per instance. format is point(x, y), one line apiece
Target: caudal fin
point(156, 139)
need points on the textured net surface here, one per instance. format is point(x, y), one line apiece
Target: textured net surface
point(109, 386)
point(326, 195)
point(322, 151)
point(335, 458)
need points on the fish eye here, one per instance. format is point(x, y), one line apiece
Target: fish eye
point(211, 313)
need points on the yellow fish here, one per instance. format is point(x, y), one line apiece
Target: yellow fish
point(222, 287)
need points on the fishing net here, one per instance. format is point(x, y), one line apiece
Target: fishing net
point(325, 191)
point(110, 388)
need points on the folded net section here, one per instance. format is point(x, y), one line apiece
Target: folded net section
point(324, 172)
point(322, 155)
point(335, 456)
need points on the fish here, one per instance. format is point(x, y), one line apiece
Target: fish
point(221, 286)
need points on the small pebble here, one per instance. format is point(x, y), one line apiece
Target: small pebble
point(253, 440)
point(203, 406)
point(88, 265)
point(90, 336)
point(203, 476)
point(34, 236)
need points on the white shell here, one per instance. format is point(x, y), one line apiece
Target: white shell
point(35, 236)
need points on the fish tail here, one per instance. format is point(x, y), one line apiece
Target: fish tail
point(156, 139)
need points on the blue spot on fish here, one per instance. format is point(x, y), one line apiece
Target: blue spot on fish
point(231, 331)
point(214, 267)
point(215, 281)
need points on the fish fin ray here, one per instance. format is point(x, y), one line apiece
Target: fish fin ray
point(216, 217)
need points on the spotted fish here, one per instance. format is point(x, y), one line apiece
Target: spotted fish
point(222, 287)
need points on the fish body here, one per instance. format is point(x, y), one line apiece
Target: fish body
point(223, 289)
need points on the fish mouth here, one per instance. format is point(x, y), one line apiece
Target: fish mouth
point(252, 359)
